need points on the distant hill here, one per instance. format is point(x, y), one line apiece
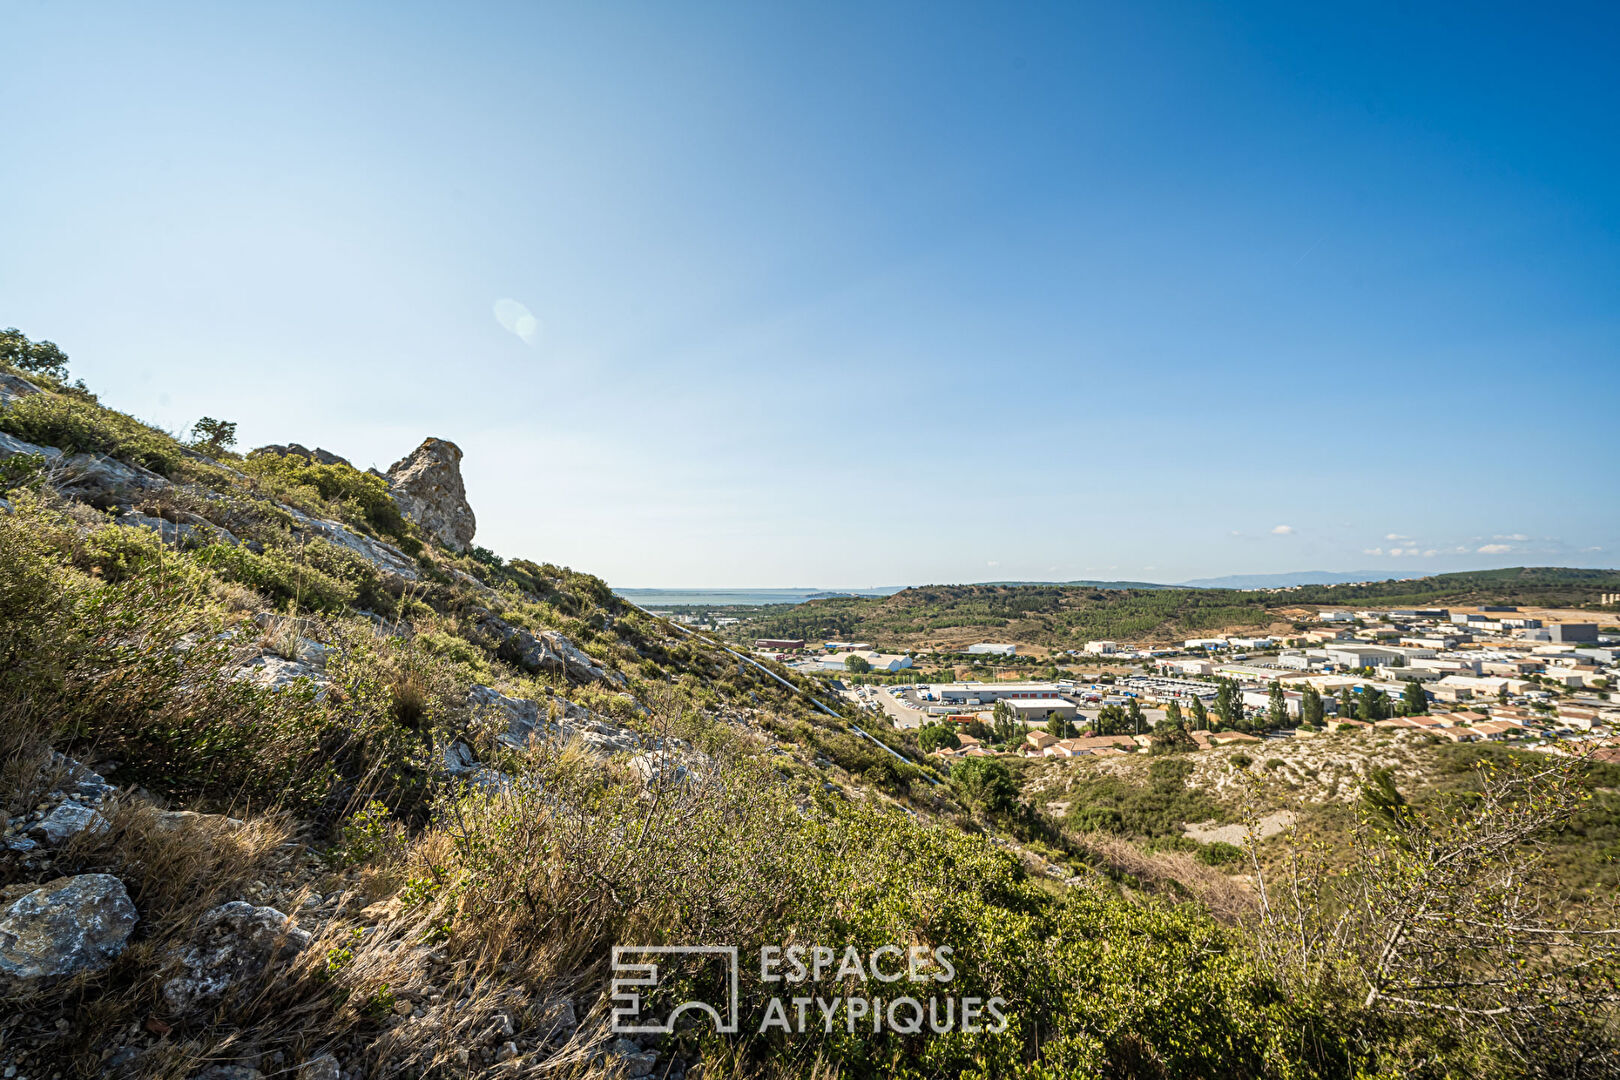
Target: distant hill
point(1545, 586)
point(1068, 615)
point(1084, 584)
point(1065, 615)
point(1298, 577)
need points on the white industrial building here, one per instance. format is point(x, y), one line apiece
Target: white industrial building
point(990, 648)
point(987, 693)
point(1345, 654)
point(1042, 708)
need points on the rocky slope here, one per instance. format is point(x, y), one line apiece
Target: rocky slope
point(310, 582)
point(298, 782)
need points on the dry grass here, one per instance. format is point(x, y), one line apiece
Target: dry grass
point(1173, 873)
point(26, 770)
point(175, 871)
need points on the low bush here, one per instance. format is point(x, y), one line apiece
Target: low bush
point(76, 426)
point(1123, 804)
point(338, 490)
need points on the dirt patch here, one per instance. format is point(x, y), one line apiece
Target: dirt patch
point(1270, 825)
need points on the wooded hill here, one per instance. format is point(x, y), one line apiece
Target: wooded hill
point(1033, 614)
point(1067, 615)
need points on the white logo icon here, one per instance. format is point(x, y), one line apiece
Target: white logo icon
point(630, 971)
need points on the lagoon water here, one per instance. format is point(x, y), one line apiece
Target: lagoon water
point(668, 598)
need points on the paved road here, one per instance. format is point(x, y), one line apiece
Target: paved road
point(898, 714)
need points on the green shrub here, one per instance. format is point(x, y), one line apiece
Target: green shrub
point(987, 783)
point(1123, 804)
point(117, 552)
point(21, 471)
point(279, 575)
point(77, 426)
point(354, 496)
point(1220, 853)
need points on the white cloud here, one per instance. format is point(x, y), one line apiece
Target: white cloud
point(993, 562)
point(1430, 553)
point(1494, 549)
point(1282, 530)
point(1397, 551)
point(1395, 536)
point(1372, 551)
point(1516, 537)
point(518, 319)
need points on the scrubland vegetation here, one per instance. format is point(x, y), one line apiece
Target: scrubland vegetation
point(461, 921)
point(1067, 616)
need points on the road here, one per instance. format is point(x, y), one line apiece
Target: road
point(899, 715)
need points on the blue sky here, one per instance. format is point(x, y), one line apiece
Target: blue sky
point(859, 294)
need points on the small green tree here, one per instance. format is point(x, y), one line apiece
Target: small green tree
point(1200, 715)
point(1133, 716)
point(857, 664)
point(987, 783)
point(1172, 716)
point(1111, 720)
point(213, 436)
point(1414, 702)
point(1228, 702)
point(1061, 727)
point(1347, 703)
point(1374, 705)
point(1004, 726)
point(1277, 706)
point(34, 357)
point(935, 736)
point(1312, 711)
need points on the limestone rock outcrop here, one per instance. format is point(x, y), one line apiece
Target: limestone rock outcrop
point(318, 455)
point(68, 925)
point(234, 941)
point(427, 486)
point(547, 651)
point(15, 386)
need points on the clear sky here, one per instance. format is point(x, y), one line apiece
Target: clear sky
point(856, 294)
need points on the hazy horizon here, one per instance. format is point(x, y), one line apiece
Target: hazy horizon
point(851, 293)
point(1353, 575)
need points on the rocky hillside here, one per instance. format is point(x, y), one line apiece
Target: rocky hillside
point(298, 780)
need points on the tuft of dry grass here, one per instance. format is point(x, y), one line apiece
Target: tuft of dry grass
point(1172, 873)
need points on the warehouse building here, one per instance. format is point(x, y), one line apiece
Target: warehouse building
point(1028, 709)
point(988, 693)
